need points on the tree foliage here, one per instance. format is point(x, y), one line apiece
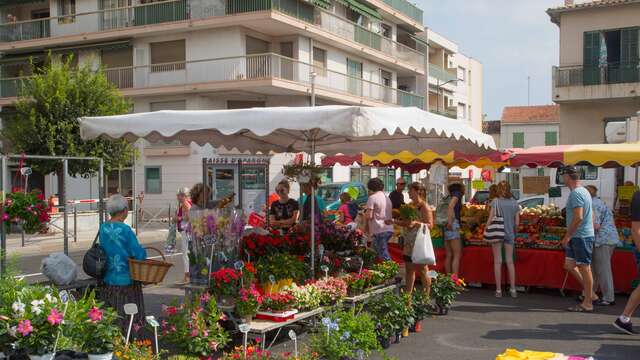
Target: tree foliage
point(46, 115)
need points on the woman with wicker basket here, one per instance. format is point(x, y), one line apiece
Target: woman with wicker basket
point(120, 243)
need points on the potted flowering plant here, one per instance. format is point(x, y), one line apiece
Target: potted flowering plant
point(331, 290)
point(388, 268)
point(345, 335)
point(444, 289)
point(279, 302)
point(307, 297)
point(138, 350)
point(194, 328)
point(248, 304)
point(38, 315)
point(226, 283)
point(281, 267)
point(421, 307)
point(254, 352)
point(93, 327)
point(29, 210)
point(10, 288)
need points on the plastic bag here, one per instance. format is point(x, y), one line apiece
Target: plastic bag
point(59, 268)
point(423, 248)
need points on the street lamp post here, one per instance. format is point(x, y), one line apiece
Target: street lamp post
point(438, 89)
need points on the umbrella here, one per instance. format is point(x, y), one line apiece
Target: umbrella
point(325, 129)
point(604, 155)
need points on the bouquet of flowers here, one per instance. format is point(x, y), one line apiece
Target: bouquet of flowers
point(30, 210)
point(38, 314)
point(408, 212)
point(92, 326)
point(279, 302)
point(194, 328)
point(331, 290)
point(307, 297)
point(249, 302)
point(226, 282)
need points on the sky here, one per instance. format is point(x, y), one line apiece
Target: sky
point(513, 39)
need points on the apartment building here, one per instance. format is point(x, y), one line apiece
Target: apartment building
point(220, 54)
point(455, 81)
point(597, 81)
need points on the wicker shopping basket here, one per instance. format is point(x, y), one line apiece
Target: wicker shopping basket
point(149, 271)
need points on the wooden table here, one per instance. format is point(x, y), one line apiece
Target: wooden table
point(262, 327)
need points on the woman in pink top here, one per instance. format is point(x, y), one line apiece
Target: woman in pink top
point(378, 214)
point(345, 208)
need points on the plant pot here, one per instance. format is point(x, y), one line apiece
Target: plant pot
point(442, 310)
point(247, 319)
point(385, 343)
point(417, 327)
point(405, 332)
point(107, 356)
point(398, 337)
point(41, 357)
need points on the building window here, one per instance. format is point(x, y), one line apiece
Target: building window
point(385, 30)
point(385, 78)
point(360, 174)
point(462, 73)
point(610, 56)
point(462, 111)
point(550, 138)
point(66, 8)
point(153, 180)
point(168, 56)
point(518, 140)
point(320, 61)
point(168, 105)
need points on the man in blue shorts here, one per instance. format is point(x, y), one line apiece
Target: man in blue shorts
point(580, 237)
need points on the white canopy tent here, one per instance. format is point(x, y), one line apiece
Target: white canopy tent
point(324, 129)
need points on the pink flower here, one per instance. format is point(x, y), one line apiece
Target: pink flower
point(213, 345)
point(194, 333)
point(95, 314)
point(5, 217)
point(223, 317)
point(54, 318)
point(205, 333)
point(454, 277)
point(205, 297)
point(136, 327)
point(24, 327)
point(172, 328)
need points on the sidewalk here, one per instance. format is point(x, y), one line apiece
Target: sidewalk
point(48, 243)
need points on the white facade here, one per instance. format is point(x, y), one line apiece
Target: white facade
point(534, 134)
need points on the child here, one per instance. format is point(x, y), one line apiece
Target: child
point(348, 210)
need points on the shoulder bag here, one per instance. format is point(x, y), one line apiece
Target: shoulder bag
point(494, 233)
point(94, 262)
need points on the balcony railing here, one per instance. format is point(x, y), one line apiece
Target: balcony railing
point(406, 8)
point(448, 113)
point(440, 73)
point(180, 10)
point(611, 73)
point(242, 68)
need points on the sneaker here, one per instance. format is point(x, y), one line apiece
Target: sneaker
point(604, 303)
point(626, 328)
point(498, 293)
point(514, 293)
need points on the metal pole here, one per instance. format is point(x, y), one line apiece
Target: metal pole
point(3, 235)
point(313, 214)
point(75, 223)
point(133, 194)
point(65, 168)
point(313, 88)
point(100, 192)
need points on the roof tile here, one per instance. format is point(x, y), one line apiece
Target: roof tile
point(531, 114)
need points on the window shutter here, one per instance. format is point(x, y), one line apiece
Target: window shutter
point(629, 55)
point(550, 138)
point(591, 54)
point(518, 140)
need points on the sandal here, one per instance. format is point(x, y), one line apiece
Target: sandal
point(514, 293)
point(579, 309)
point(498, 293)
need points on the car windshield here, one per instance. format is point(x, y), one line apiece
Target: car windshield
point(329, 193)
point(481, 197)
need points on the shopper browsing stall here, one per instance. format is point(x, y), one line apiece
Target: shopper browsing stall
point(182, 219)
point(506, 208)
point(580, 237)
point(284, 211)
point(305, 200)
point(418, 195)
point(623, 322)
point(452, 241)
point(378, 214)
point(606, 240)
point(120, 243)
point(397, 196)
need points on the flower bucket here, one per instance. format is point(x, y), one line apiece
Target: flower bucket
point(107, 356)
point(247, 319)
point(417, 327)
point(405, 332)
point(398, 337)
point(385, 343)
point(41, 357)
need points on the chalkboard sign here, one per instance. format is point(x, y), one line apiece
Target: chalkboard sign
point(555, 192)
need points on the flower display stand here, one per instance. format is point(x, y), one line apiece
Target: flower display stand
point(260, 328)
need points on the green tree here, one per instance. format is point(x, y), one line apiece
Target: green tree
point(45, 121)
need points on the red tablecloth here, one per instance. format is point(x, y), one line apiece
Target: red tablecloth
point(533, 267)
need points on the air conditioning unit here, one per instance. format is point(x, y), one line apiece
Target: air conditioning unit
point(615, 132)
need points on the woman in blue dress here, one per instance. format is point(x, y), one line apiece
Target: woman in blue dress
point(120, 243)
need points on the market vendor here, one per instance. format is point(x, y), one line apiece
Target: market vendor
point(305, 200)
point(120, 243)
point(283, 213)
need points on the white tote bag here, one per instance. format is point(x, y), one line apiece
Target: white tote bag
point(423, 248)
